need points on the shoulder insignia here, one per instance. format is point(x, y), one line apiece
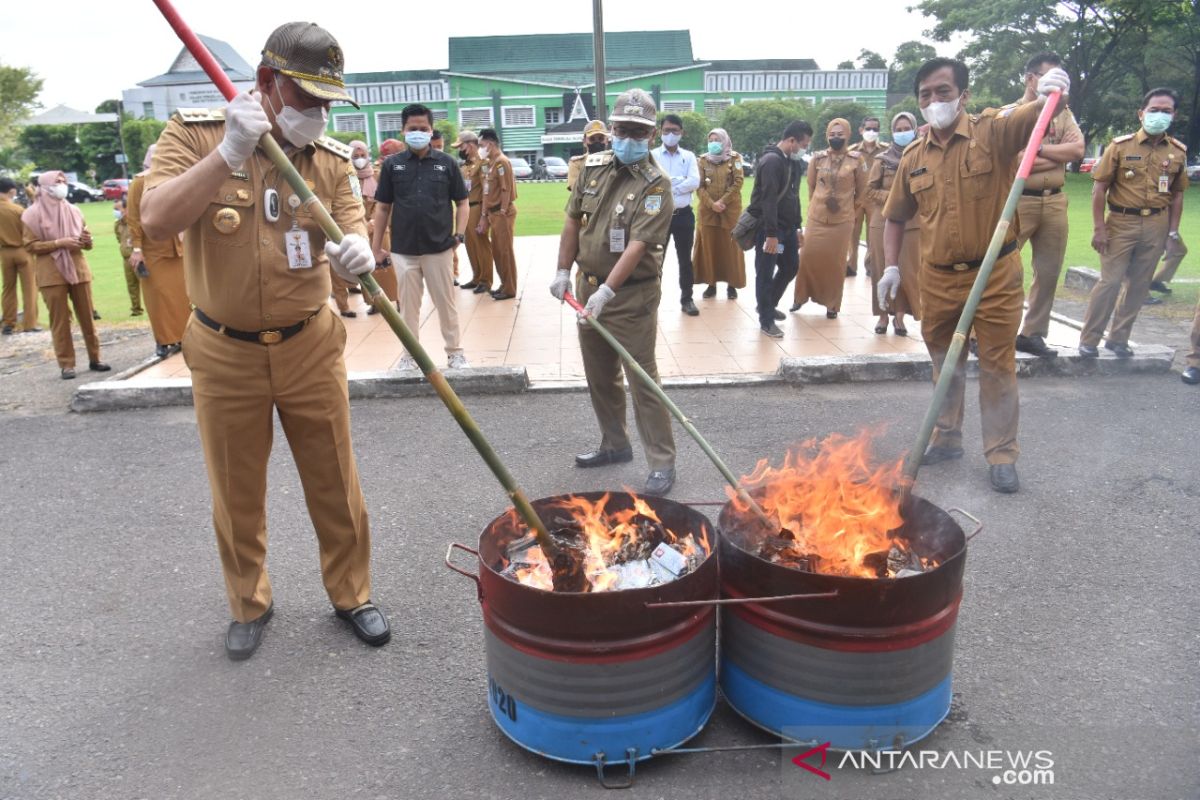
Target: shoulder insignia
point(653, 204)
point(1177, 143)
point(334, 146)
point(596, 159)
point(189, 115)
point(991, 112)
point(1124, 138)
point(579, 157)
point(1008, 106)
point(854, 153)
point(355, 186)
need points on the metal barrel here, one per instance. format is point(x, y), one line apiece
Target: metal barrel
point(599, 678)
point(870, 669)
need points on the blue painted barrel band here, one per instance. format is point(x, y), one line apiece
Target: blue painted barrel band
point(579, 740)
point(835, 676)
point(847, 727)
point(605, 689)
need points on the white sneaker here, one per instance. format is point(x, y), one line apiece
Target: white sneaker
point(458, 361)
point(407, 363)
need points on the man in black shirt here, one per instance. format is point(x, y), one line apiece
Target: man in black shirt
point(775, 202)
point(416, 190)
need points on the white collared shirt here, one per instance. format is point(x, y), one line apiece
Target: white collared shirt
point(683, 171)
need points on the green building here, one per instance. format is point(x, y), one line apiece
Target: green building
point(537, 91)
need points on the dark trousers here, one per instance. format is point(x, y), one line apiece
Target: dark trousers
point(683, 232)
point(773, 272)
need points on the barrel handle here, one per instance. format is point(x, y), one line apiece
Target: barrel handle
point(729, 601)
point(450, 552)
point(630, 757)
point(970, 516)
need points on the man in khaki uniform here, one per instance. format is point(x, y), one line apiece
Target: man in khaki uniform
point(16, 264)
point(595, 140)
point(1166, 272)
point(956, 179)
point(133, 284)
point(617, 221)
point(1142, 177)
point(159, 262)
point(1042, 210)
point(262, 339)
point(1191, 373)
point(499, 212)
point(868, 147)
point(479, 248)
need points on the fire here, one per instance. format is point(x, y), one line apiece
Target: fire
point(837, 508)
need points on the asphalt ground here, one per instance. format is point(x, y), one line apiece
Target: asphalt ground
point(1080, 609)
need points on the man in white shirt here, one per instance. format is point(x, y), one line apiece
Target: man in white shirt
point(681, 166)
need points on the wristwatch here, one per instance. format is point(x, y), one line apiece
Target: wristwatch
point(1173, 235)
point(459, 238)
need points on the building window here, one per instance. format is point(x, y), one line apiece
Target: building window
point(440, 113)
point(474, 119)
point(713, 109)
point(346, 123)
point(518, 116)
point(385, 94)
point(389, 126)
point(678, 106)
point(148, 109)
point(553, 116)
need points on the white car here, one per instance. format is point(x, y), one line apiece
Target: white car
point(521, 169)
point(555, 167)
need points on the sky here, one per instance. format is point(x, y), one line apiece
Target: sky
point(98, 49)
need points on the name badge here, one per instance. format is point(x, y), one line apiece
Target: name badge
point(1164, 184)
point(616, 240)
point(299, 250)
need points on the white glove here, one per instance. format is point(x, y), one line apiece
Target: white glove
point(596, 303)
point(889, 284)
point(561, 283)
point(245, 123)
point(351, 257)
point(1055, 78)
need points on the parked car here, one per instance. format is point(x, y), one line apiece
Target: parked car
point(82, 193)
point(747, 166)
point(521, 169)
point(115, 188)
point(1087, 164)
point(1193, 171)
point(555, 167)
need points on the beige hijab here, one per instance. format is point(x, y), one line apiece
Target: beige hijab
point(51, 218)
point(726, 146)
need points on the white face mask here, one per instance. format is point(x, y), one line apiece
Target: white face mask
point(360, 163)
point(59, 190)
point(942, 115)
point(483, 152)
point(870, 136)
point(301, 128)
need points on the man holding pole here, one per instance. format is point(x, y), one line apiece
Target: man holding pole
point(956, 179)
point(262, 338)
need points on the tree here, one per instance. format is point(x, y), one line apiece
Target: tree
point(757, 123)
point(345, 137)
point(695, 130)
point(53, 147)
point(830, 110)
point(448, 129)
point(99, 145)
point(19, 88)
point(845, 65)
point(139, 134)
point(109, 107)
point(908, 59)
point(869, 59)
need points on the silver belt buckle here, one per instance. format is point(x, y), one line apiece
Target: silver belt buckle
point(961, 266)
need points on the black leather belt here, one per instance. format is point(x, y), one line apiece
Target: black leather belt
point(596, 280)
point(272, 336)
point(476, 203)
point(1134, 212)
point(963, 266)
point(1041, 192)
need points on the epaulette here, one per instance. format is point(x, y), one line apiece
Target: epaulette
point(596, 159)
point(188, 115)
point(989, 112)
point(913, 144)
point(340, 150)
point(854, 153)
point(1010, 105)
point(1177, 143)
point(1124, 138)
point(579, 157)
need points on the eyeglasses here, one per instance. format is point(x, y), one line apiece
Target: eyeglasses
point(636, 132)
point(599, 138)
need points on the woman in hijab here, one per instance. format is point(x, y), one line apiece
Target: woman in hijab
point(54, 233)
point(368, 179)
point(837, 185)
point(883, 172)
point(717, 257)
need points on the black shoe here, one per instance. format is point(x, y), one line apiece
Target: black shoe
point(98, 366)
point(1160, 287)
point(172, 349)
point(795, 306)
point(456, 282)
point(481, 288)
point(1151, 300)
point(851, 272)
point(710, 292)
point(470, 285)
point(772, 330)
point(68, 374)
point(160, 350)
point(598, 457)
point(689, 308)
point(6, 330)
point(243, 638)
point(1121, 349)
point(1191, 376)
point(369, 624)
point(1088, 351)
point(95, 314)
point(831, 314)
point(372, 311)
point(731, 292)
point(937, 454)
point(502, 296)
point(780, 316)
point(33, 330)
point(1036, 345)
point(659, 482)
point(1004, 478)
point(355, 289)
point(350, 314)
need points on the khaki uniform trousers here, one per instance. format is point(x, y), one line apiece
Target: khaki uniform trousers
point(1166, 273)
point(500, 231)
point(59, 299)
point(1135, 244)
point(479, 249)
point(1044, 225)
point(340, 290)
point(433, 272)
point(236, 386)
point(166, 299)
point(632, 318)
point(943, 295)
point(17, 265)
point(1193, 358)
point(133, 285)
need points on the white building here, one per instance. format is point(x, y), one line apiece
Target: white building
point(185, 85)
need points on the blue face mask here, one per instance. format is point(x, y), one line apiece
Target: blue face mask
point(904, 138)
point(1156, 122)
point(716, 148)
point(629, 151)
point(417, 140)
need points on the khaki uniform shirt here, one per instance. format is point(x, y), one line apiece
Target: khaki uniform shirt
point(152, 249)
point(10, 223)
point(46, 271)
point(868, 153)
point(121, 229)
point(499, 186)
point(720, 182)
point(235, 262)
point(574, 168)
point(837, 186)
point(879, 184)
point(959, 189)
point(1133, 169)
point(621, 203)
point(1063, 129)
point(473, 177)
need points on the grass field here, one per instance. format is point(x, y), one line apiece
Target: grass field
point(540, 212)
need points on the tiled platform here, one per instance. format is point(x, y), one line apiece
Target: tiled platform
point(537, 332)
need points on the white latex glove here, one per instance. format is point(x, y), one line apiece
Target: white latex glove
point(596, 303)
point(1055, 78)
point(889, 284)
point(561, 283)
point(245, 123)
point(352, 257)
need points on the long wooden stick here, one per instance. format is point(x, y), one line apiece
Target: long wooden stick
point(370, 287)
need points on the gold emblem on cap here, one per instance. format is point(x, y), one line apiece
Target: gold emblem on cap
point(227, 220)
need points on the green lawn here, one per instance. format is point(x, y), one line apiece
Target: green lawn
point(540, 211)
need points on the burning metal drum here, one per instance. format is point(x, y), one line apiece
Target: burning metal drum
point(599, 677)
point(870, 668)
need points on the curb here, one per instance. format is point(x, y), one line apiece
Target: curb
point(1083, 278)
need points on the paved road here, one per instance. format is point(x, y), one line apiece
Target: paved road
point(1080, 609)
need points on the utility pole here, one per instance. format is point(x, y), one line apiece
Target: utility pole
point(598, 52)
